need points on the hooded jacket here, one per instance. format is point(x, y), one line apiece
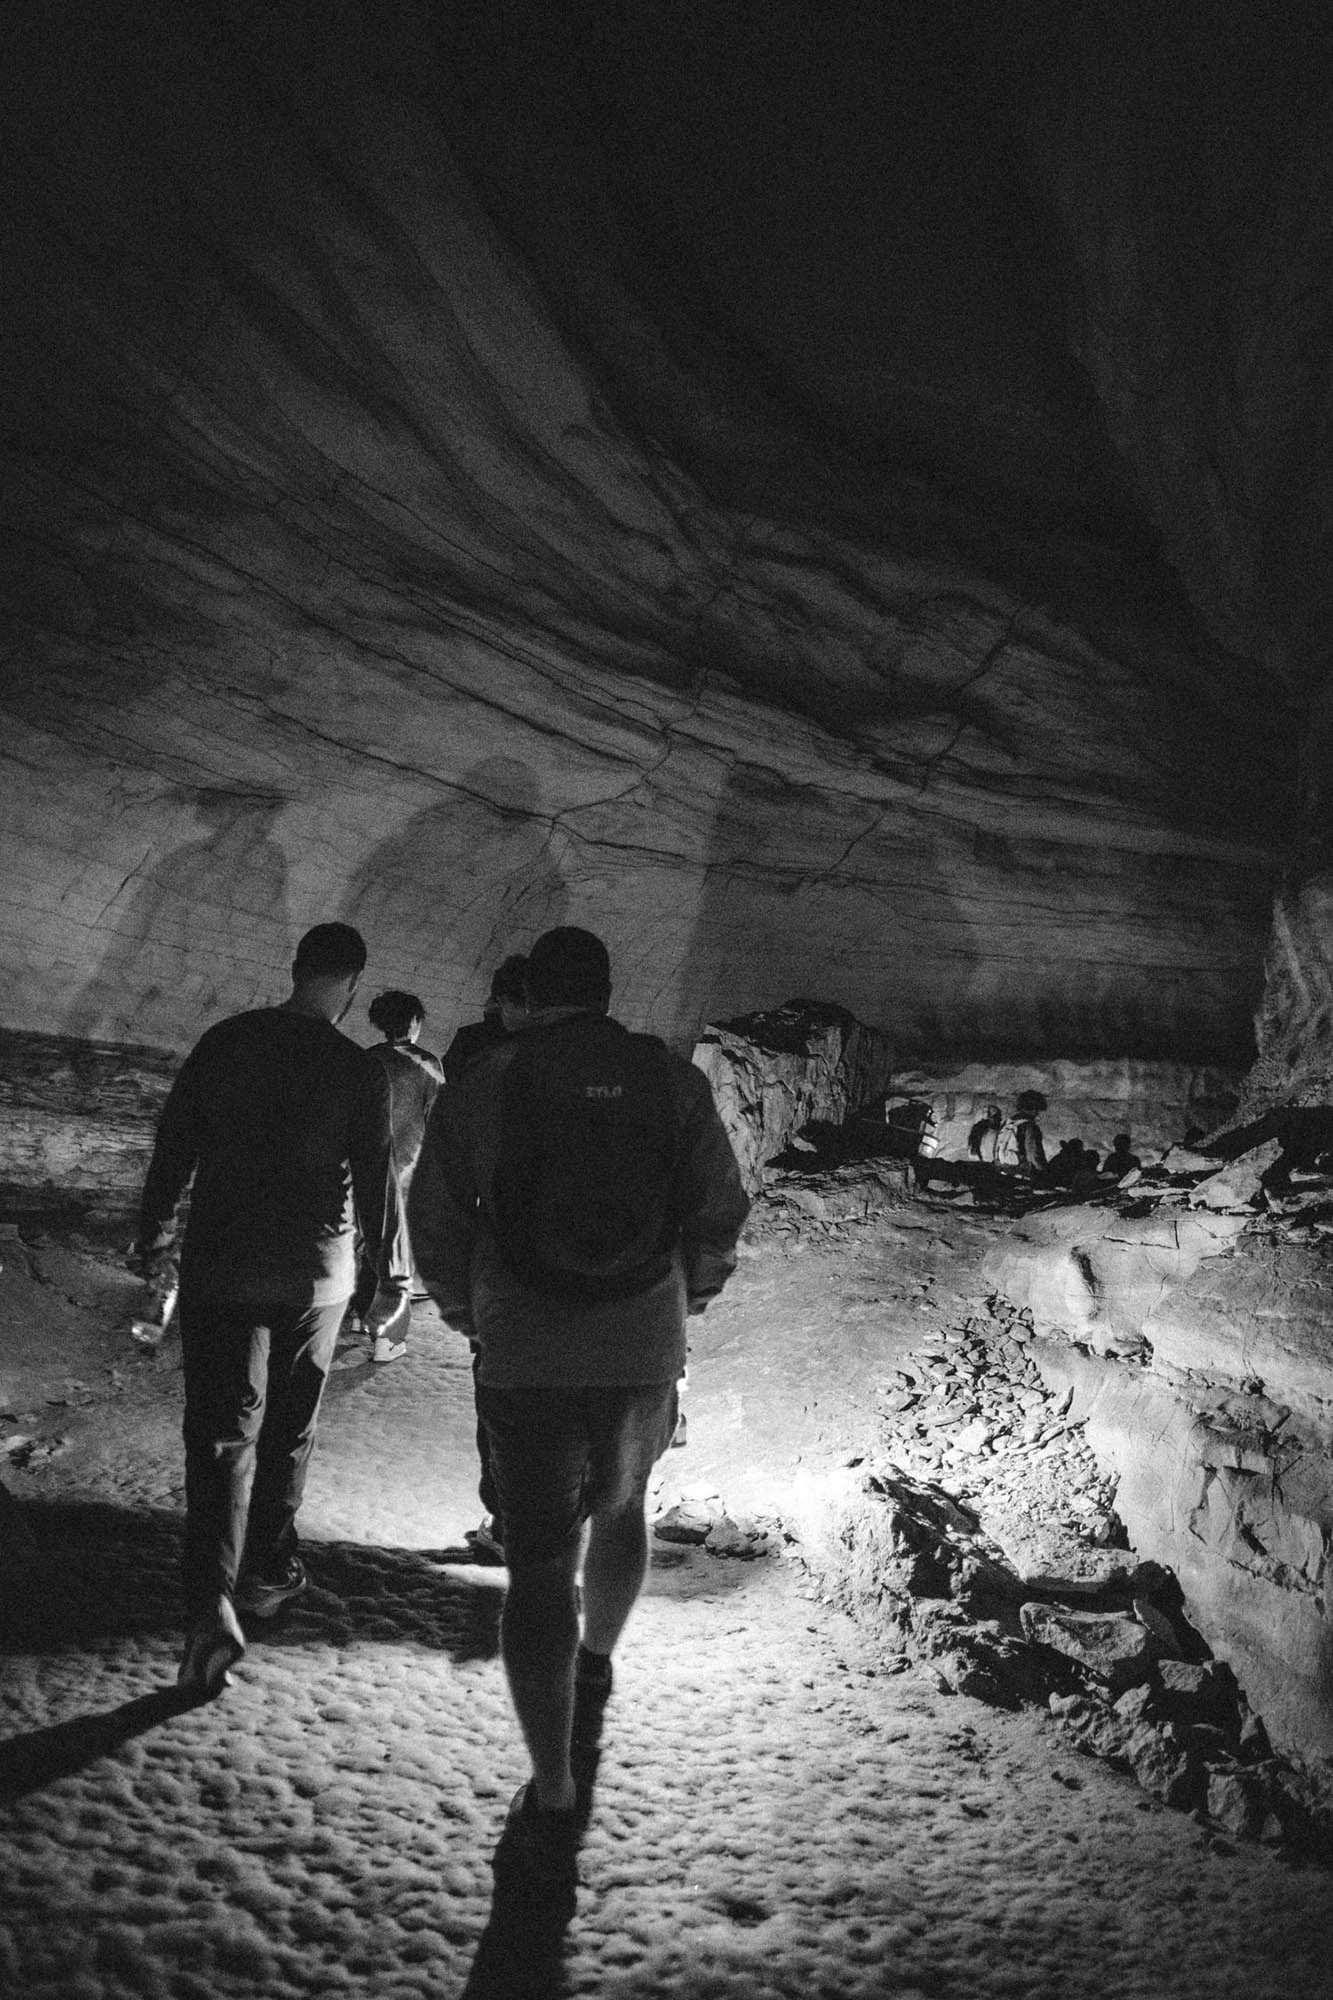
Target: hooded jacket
point(526, 1337)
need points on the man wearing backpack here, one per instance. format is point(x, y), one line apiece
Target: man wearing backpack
point(576, 1198)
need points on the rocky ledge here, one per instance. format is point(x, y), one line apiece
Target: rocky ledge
point(1187, 1319)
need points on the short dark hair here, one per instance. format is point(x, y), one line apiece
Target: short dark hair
point(569, 967)
point(510, 979)
point(329, 949)
point(394, 1012)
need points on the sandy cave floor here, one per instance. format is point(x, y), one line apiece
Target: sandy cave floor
point(776, 1812)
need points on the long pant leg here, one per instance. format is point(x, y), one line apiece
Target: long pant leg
point(300, 1354)
point(367, 1284)
point(225, 1349)
point(490, 1499)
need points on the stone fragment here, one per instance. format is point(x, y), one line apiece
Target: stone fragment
point(1162, 1633)
point(1254, 1743)
point(1189, 1680)
point(1202, 1694)
point(1162, 1762)
point(1183, 1160)
point(974, 1436)
point(1093, 1725)
point(1080, 1572)
point(1237, 1184)
point(731, 1538)
point(1111, 1646)
point(1239, 1799)
point(688, 1521)
point(1138, 1704)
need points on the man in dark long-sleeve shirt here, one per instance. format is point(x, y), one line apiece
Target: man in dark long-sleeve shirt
point(284, 1125)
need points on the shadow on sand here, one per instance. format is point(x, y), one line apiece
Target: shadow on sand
point(520, 1955)
point(90, 1572)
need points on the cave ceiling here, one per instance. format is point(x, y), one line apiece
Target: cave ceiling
point(835, 499)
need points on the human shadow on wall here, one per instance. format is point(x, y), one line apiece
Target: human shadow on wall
point(812, 894)
point(462, 884)
point(206, 921)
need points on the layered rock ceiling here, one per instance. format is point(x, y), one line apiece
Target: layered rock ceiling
point(836, 501)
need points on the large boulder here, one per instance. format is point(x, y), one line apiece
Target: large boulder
point(773, 1073)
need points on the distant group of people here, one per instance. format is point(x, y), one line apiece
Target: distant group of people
point(561, 1187)
point(1014, 1149)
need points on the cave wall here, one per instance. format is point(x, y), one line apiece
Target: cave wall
point(348, 586)
point(1186, 154)
point(1198, 1347)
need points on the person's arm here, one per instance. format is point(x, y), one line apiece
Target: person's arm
point(442, 1209)
point(175, 1157)
point(714, 1203)
point(379, 1207)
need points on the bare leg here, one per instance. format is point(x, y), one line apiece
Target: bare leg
point(539, 1633)
point(613, 1572)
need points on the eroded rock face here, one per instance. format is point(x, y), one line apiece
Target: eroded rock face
point(347, 589)
point(76, 1124)
point(1197, 1344)
point(1295, 1022)
point(797, 1065)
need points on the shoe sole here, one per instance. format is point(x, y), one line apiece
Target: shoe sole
point(266, 1611)
point(269, 1607)
point(213, 1669)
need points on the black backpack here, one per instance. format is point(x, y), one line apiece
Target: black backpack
point(583, 1204)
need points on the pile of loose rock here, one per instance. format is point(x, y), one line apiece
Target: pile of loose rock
point(700, 1519)
point(984, 1541)
point(969, 1405)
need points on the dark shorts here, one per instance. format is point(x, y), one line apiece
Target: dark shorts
point(558, 1456)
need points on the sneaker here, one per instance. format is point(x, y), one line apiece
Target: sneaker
point(386, 1348)
point(265, 1596)
point(484, 1543)
point(213, 1645)
point(542, 1845)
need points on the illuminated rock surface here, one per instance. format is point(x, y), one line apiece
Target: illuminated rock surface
point(1198, 1348)
point(840, 507)
point(399, 537)
point(779, 1808)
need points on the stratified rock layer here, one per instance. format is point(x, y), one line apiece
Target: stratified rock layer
point(1295, 1022)
point(344, 590)
point(1197, 1343)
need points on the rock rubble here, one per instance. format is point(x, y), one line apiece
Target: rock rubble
point(700, 1519)
point(983, 1538)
